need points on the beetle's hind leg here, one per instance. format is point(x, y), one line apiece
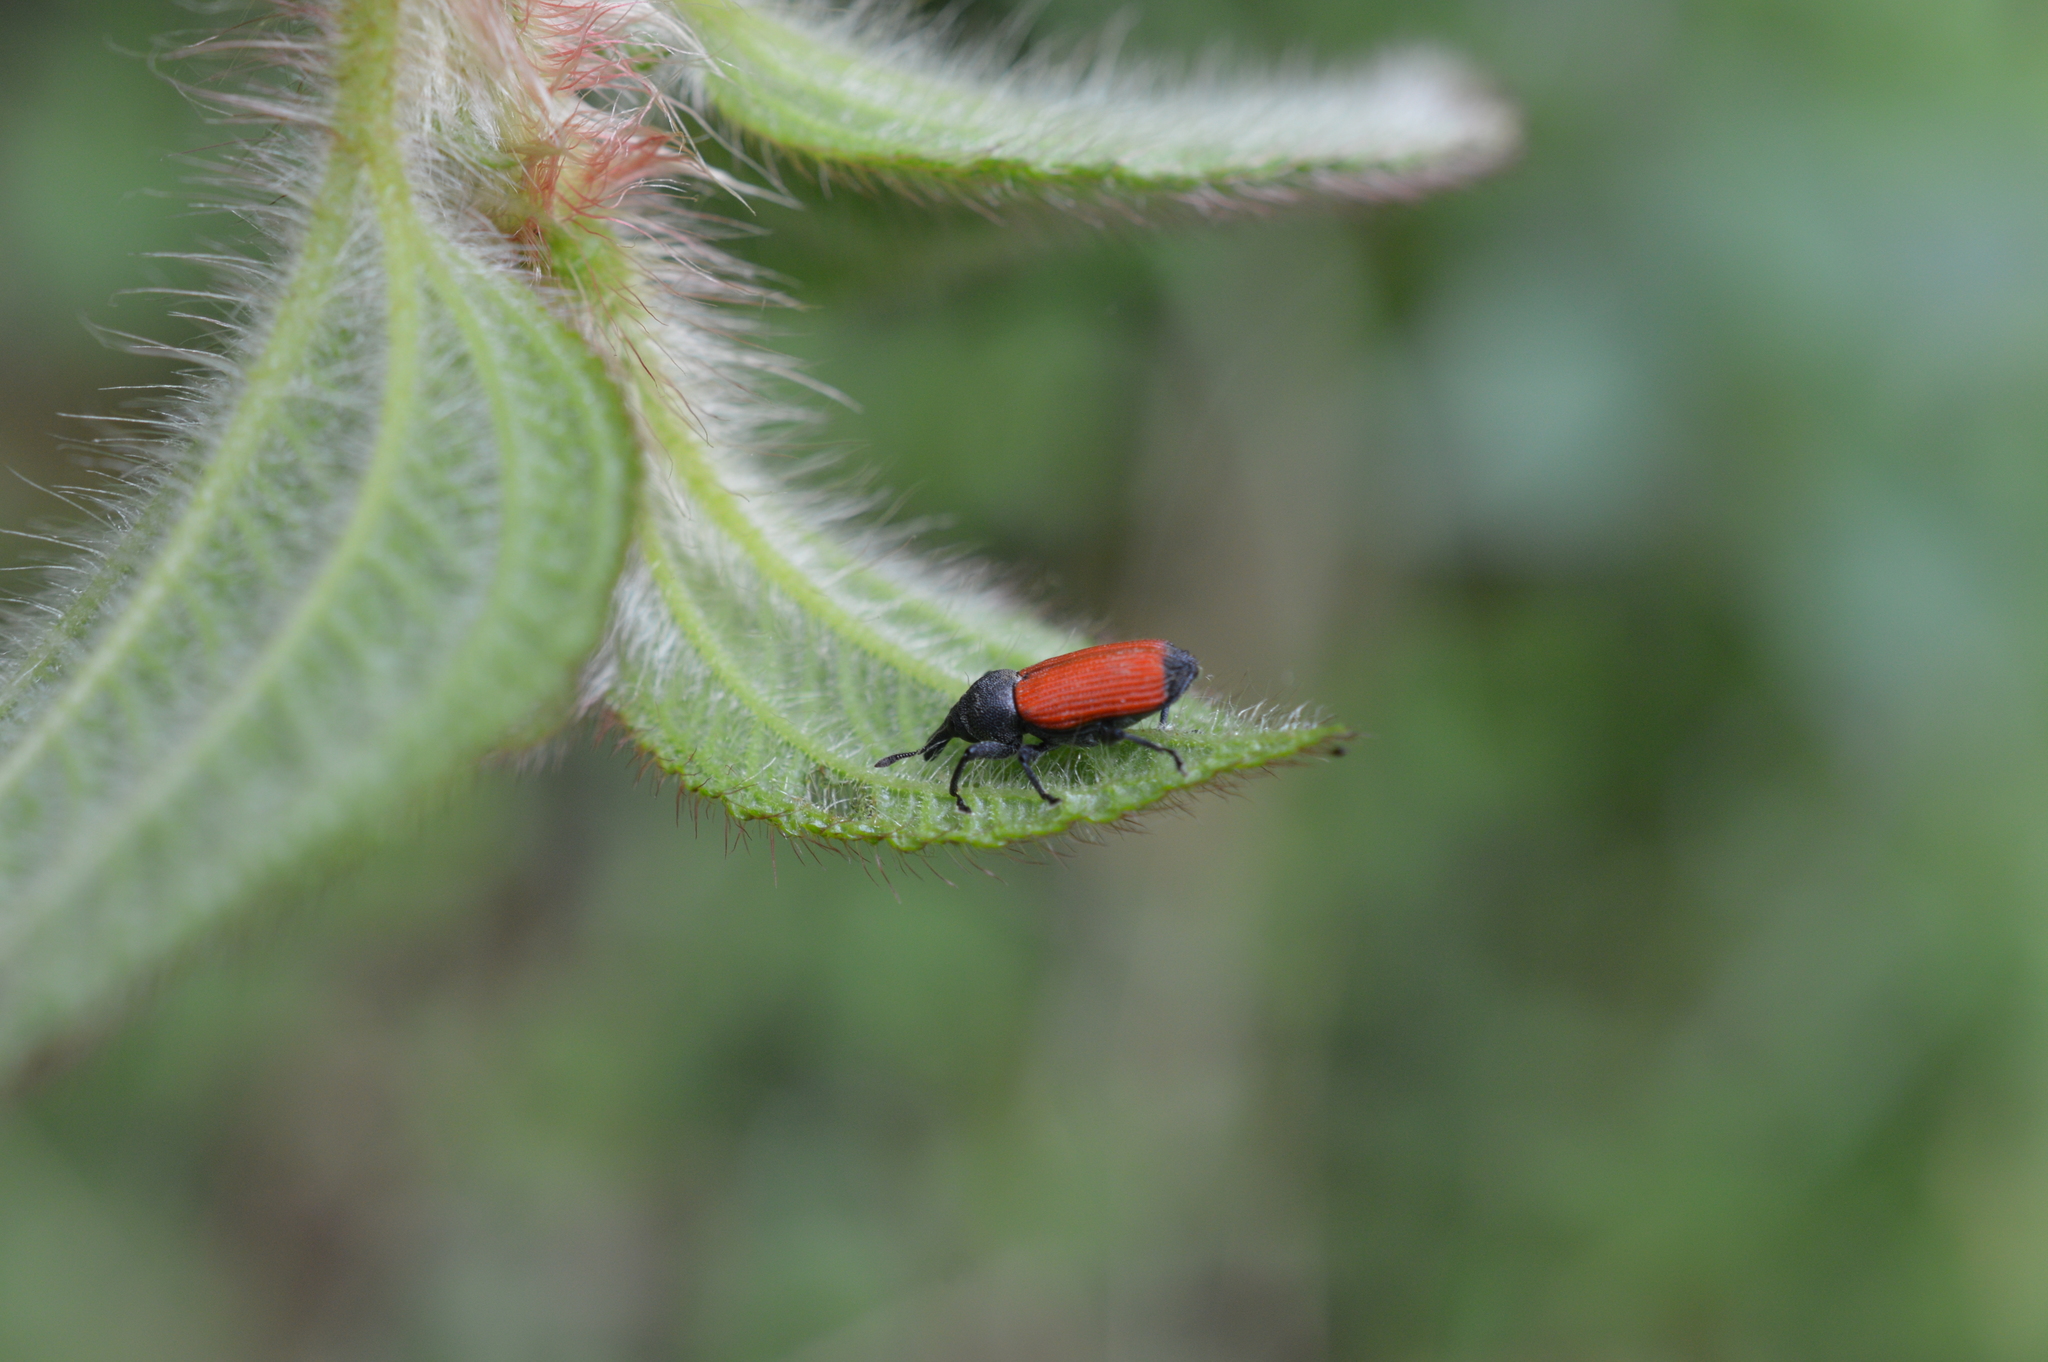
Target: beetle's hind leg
point(979, 749)
point(1027, 757)
point(1156, 747)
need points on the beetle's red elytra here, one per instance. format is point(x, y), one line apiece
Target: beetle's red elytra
point(1081, 699)
point(1110, 680)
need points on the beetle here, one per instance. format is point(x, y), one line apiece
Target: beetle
point(1080, 699)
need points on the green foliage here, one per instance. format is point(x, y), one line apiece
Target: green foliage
point(1662, 980)
point(391, 524)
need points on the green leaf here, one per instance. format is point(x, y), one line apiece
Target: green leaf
point(387, 547)
point(857, 89)
point(770, 664)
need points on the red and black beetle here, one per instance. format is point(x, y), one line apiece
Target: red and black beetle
point(1081, 699)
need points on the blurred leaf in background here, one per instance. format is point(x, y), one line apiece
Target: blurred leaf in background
point(1661, 980)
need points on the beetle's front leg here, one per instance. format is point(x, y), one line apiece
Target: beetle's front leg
point(984, 750)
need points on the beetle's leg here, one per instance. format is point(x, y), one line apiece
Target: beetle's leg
point(954, 788)
point(1027, 757)
point(1156, 747)
point(980, 749)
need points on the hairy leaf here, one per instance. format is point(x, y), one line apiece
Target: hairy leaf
point(770, 664)
point(383, 548)
point(884, 97)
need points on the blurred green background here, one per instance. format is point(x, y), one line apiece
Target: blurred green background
point(1661, 978)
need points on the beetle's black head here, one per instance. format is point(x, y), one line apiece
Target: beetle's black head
point(988, 712)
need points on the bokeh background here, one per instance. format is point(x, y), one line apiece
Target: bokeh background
point(1665, 975)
